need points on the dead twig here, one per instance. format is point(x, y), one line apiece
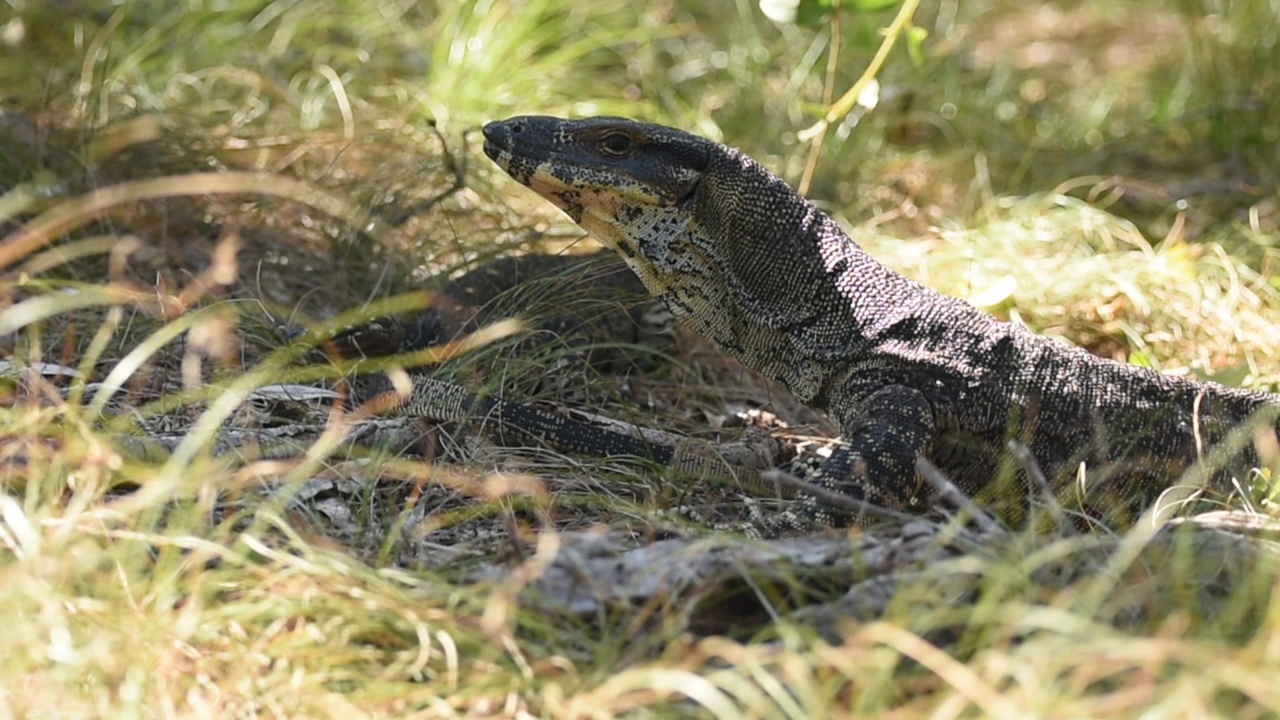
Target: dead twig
point(952, 494)
point(834, 499)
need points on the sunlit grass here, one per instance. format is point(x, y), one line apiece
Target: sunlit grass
point(184, 583)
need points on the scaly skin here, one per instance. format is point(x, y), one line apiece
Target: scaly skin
point(906, 372)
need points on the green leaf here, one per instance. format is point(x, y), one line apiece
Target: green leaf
point(1231, 376)
point(873, 5)
point(814, 13)
point(997, 293)
point(915, 43)
point(1141, 359)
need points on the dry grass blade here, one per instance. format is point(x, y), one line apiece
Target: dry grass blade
point(48, 226)
point(1101, 174)
point(961, 679)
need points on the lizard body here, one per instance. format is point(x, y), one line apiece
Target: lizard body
point(906, 372)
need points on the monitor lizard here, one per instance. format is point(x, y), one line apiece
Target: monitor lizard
point(907, 373)
point(589, 305)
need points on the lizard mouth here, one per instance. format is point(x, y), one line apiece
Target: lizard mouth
point(499, 144)
point(494, 151)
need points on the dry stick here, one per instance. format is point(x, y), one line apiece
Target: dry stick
point(835, 499)
point(457, 168)
point(817, 132)
point(952, 494)
point(66, 216)
point(1035, 475)
point(828, 91)
point(513, 532)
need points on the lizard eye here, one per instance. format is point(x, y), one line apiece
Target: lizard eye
point(616, 144)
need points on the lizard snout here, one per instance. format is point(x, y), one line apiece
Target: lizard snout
point(497, 137)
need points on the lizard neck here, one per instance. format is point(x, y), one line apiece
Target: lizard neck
point(767, 276)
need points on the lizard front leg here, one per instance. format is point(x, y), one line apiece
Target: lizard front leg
point(884, 433)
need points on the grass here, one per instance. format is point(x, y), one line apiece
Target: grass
point(180, 183)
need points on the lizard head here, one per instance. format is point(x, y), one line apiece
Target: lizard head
point(733, 251)
point(623, 181)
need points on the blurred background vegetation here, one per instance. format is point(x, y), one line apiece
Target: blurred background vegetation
point(1047, 91)
point(1102, 171)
